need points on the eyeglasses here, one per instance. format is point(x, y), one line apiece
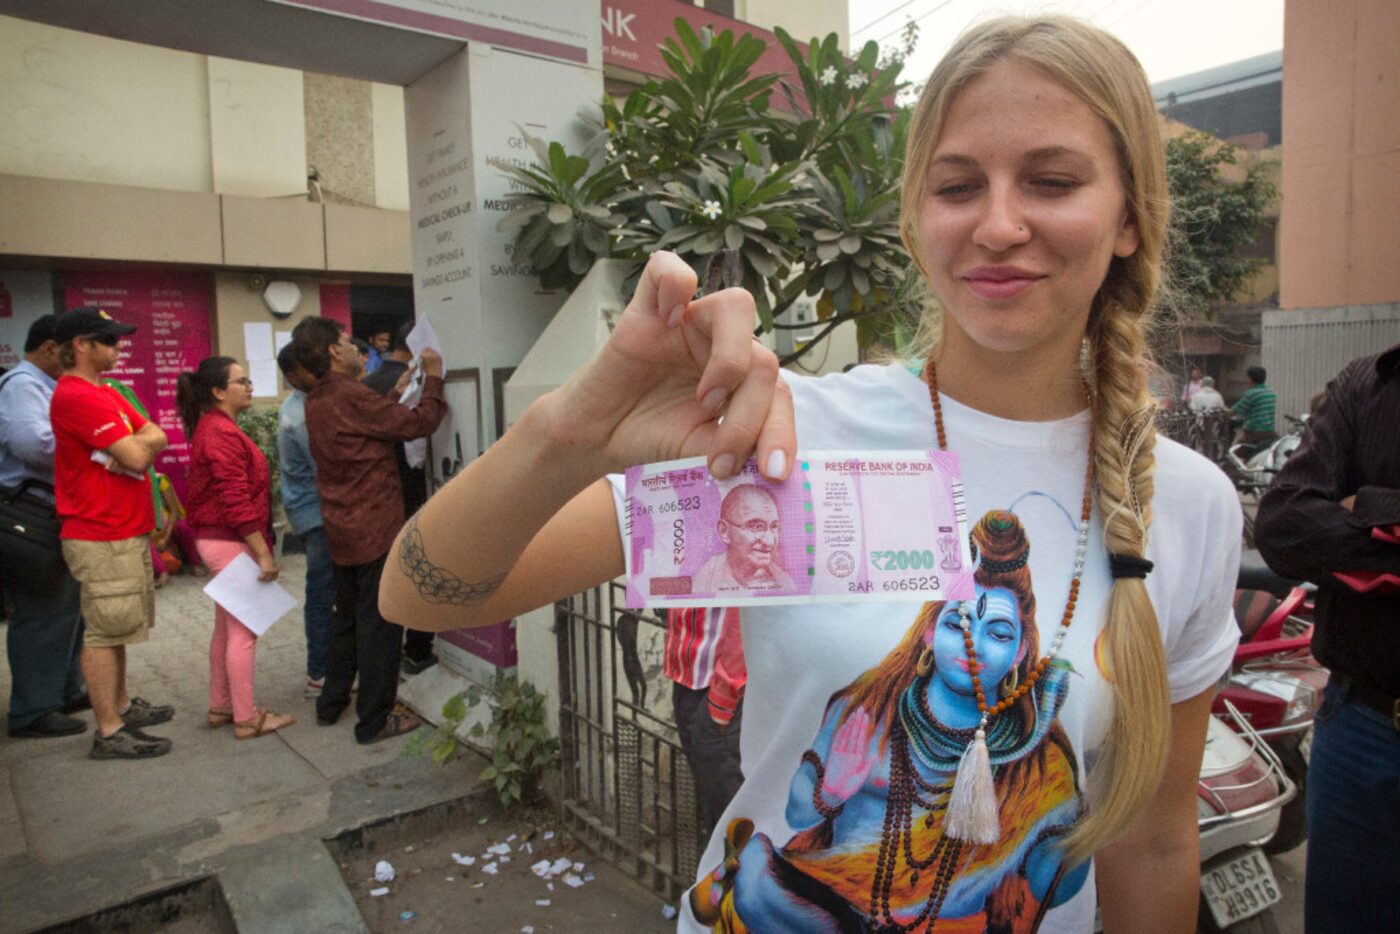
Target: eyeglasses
point(243, 381)
point(111, 340)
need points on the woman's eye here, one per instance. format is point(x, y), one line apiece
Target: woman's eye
point(1056, 183)
point(953, 189)
point(952, 621)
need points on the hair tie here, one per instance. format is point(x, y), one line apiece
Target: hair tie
point(1121, 566)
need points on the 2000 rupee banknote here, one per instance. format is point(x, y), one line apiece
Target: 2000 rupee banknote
point(844, 527)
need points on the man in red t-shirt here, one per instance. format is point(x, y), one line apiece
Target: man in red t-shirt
point(102, 449)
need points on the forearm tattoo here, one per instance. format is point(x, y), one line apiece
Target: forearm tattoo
point(435, 584)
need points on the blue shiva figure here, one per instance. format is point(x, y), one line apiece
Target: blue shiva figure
point(866, 804)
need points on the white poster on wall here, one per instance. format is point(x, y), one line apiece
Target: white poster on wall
point(25, 294)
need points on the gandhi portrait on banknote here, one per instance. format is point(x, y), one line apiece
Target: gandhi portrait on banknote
point(749, 527)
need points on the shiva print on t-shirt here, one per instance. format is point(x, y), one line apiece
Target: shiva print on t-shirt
point(866, 805)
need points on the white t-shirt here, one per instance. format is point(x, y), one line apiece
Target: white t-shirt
point(781, 861)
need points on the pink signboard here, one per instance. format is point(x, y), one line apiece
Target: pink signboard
point(495, 643)
point(633, 31)
point(171, 313)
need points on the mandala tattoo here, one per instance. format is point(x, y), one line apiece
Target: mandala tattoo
point(435, 584)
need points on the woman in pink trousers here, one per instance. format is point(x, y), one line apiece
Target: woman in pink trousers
point(230, 509)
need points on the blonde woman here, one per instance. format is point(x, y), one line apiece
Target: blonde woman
point(1035, 206)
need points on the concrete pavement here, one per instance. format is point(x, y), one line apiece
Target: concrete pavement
point(79, 836)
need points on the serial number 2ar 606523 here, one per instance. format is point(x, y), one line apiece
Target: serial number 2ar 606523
point(895, 585)
point(684, 504)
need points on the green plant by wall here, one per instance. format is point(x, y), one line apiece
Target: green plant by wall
point(521, 747)
point(260, 424)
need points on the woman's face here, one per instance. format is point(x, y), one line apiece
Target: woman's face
point(238, 394)
point(1024, 211)
point(996, 638)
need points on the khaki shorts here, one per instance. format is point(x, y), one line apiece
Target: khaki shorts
point(117, 587)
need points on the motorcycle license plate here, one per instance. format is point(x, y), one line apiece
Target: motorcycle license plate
point(1239, 888)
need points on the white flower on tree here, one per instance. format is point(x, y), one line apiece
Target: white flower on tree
point(856, 80)
point(828, 76)
point(711, 210)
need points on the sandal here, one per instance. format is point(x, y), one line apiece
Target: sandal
point(218, 718)
point(267, 721)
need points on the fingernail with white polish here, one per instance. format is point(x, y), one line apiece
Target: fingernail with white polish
point(722, 467)
point(714, 399)
point(777, 463)
point(674, 318)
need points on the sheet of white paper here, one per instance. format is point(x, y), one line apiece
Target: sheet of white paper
point(257, 340)
point(280, 339)
point(416, 450)
point(422, 336)
point(264, 376)
point(254, 603)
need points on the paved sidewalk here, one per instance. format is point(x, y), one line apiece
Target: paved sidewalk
point(78, 835)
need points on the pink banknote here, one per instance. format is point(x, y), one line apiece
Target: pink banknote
point(844, 527)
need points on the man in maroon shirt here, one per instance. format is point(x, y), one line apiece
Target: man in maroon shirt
point(353, 431)
point(102, 449)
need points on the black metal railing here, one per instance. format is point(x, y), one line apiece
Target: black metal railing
point(627, 790)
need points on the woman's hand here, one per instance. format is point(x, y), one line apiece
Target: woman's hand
point(680, 378)
point(268, 567)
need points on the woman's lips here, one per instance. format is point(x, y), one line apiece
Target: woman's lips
point(996, 283)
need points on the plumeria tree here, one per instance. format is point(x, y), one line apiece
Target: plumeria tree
point(791, 201)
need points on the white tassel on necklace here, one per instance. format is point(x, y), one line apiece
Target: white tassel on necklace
point(972, 806)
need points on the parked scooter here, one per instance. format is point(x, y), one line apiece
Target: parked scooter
point(1242, 791)
point(1253, 466)
point(1275, 683)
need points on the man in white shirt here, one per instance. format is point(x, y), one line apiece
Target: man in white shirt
point(1206, 398)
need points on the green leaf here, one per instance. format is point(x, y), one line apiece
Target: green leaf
point(575, 167)
point(557, 161)
point(850, 245)
point(733, 236)
point(560, 213)
point(444, 751)
point(455, 709)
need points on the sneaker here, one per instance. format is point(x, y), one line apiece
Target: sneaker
point(141, 713)
point(313, 689)
point(127, 743)
point(413, 666)
point(401, 721)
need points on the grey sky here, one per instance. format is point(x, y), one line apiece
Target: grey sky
point(1170, 37)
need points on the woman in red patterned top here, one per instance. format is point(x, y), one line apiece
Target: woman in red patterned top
point(230, 509)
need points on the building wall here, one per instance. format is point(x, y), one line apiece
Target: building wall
point(257, 129)
point(83, 107)
point(1341, 170)
point(803, 18)
point(238, 301)
point(340, 136)
point(87, 108)
point(390, 147)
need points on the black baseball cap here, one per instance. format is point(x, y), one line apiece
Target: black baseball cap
point(88, 322)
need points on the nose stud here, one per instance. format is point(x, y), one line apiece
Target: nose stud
point(1020, 229)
